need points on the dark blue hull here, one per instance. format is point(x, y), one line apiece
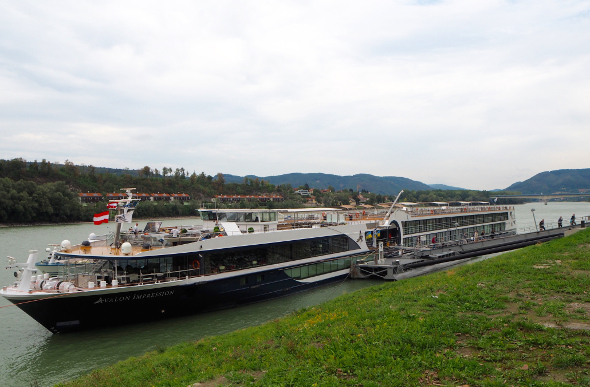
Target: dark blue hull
point(144, 303)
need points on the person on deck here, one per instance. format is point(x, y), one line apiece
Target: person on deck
point(573, 220)
point(542, 225)
point(560, 222)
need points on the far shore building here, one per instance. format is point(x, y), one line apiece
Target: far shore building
point(142, 196)
point(160, 197)
point(116, 196)
point(303, 192)
point(180, 197)
point(90, 197)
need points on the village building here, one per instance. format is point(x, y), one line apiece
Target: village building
point(181, 197)
point(90, 197)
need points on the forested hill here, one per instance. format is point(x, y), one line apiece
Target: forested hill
point(445, 187)
point(563, 180)
point(383, 185)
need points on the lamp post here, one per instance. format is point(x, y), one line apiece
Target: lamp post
point(535, 220)
point(457, 235)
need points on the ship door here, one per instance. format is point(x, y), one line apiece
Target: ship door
point(394, 234)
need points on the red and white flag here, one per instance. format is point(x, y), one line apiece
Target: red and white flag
point(103, 217)
point(112, 205)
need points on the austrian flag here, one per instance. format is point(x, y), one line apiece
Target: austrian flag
point(103, 217)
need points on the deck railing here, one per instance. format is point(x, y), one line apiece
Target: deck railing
point(429, 211)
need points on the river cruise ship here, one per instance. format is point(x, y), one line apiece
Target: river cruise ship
point(234, 257)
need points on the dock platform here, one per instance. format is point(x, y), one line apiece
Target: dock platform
point(400, 263)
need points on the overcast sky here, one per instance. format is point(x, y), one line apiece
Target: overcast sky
point(476, 94)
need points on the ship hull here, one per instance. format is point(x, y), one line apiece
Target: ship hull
point(119, 306)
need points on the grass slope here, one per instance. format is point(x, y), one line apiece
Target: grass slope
point(521, 318)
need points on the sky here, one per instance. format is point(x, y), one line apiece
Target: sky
point(474, 94)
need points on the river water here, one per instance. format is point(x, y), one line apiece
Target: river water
point(32, 356)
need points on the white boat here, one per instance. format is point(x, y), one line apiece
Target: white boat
point(235, 257)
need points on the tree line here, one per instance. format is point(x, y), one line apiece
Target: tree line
point(32, 192)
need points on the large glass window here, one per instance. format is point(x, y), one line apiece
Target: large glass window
point(319, 268)
point(240, 258)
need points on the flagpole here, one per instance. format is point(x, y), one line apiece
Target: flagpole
point(118, 229)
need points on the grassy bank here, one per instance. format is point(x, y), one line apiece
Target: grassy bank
point(522, 318)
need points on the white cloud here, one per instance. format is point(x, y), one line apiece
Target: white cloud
point(472, 94)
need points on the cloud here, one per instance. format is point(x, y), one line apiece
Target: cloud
point(471, 94)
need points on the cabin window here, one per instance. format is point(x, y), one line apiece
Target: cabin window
point(304, 272)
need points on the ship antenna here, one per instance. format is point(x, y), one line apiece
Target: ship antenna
point(120, 211)
point(391, 208)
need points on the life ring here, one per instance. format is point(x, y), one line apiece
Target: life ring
point(357, 214)
point(198, 265)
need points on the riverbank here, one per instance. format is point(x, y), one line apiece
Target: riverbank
point(522, 318)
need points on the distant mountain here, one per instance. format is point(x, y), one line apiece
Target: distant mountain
point(562, 180)
point(446, 187)
point(384, 185)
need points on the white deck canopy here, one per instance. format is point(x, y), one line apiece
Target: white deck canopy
point(231, 228)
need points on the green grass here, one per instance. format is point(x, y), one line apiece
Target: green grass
point(482, 325)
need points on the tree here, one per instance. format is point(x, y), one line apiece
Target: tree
point(219, 183)
point(16, 168)
point(70, 169)
point(145, 171)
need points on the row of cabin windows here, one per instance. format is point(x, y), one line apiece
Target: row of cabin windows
point(173, 266)
point(454, 235)
point(426, 225)
point(239, 216)
point(307, 271)
point(193, 264)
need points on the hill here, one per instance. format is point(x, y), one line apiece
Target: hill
point(445, 187)
point(562, 180)
point(384, 185)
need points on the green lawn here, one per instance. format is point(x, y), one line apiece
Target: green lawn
point(522, 318)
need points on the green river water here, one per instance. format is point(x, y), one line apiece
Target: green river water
point(32, 356)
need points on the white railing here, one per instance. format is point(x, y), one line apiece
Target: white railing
point(429, 211)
